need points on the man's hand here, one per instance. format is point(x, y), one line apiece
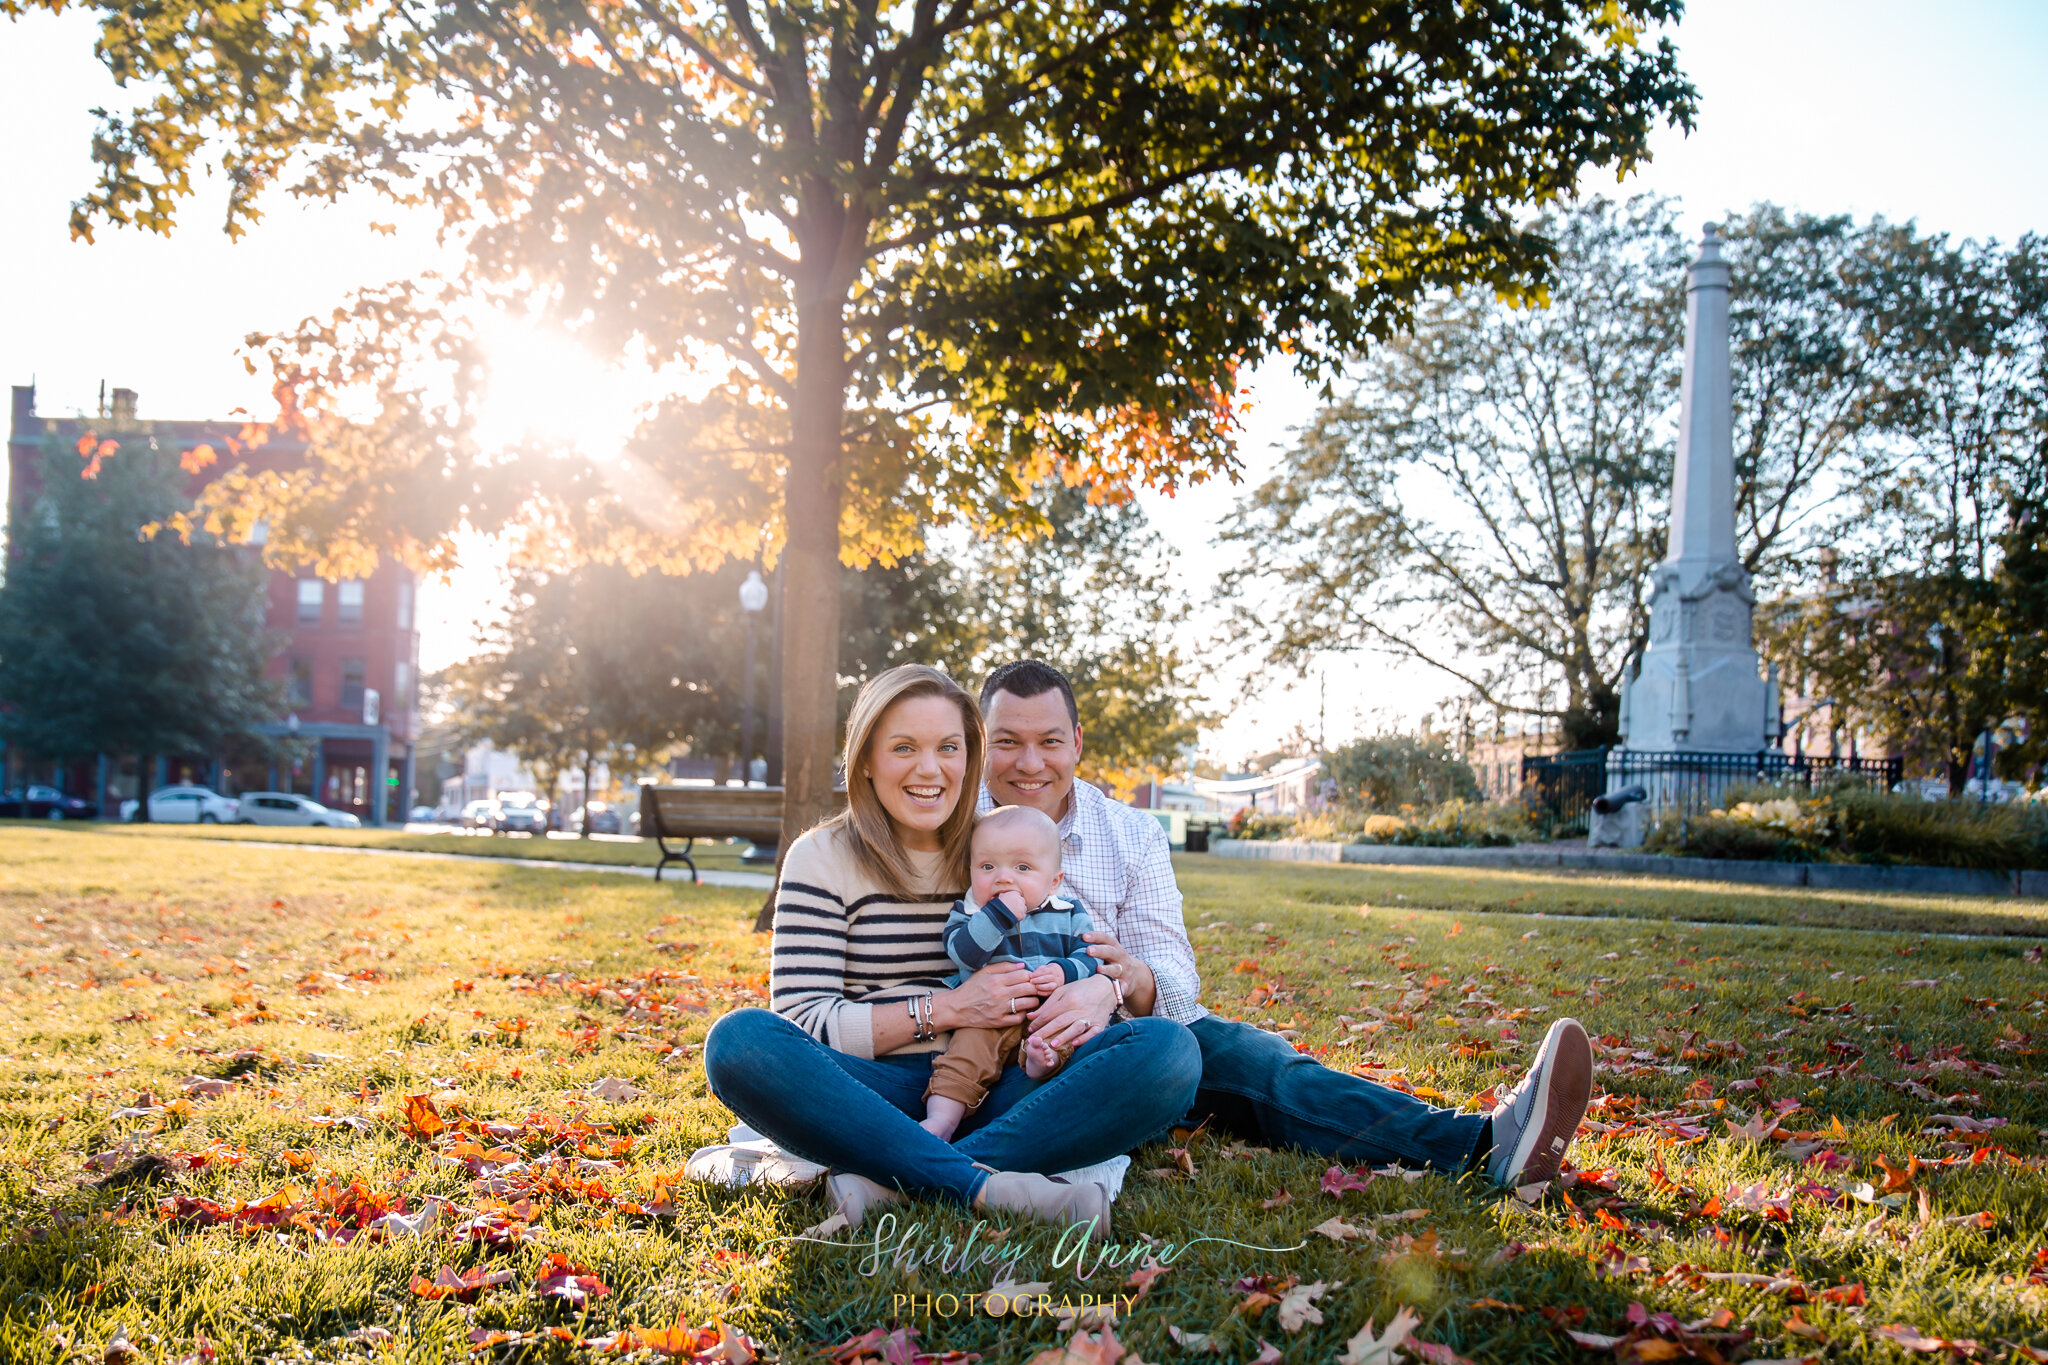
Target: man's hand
point(1076, 1012)
point(1141, 990)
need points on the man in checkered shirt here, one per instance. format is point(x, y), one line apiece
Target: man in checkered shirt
point(1254, 1084)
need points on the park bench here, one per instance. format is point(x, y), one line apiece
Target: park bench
point(693, 813)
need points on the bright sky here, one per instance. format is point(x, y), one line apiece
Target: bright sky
point(1929, 112)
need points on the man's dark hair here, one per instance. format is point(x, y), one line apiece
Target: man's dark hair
point(1027, 678)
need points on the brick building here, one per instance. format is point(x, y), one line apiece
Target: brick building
point(349, 662)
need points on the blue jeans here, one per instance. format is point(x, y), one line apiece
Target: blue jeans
point(1125, 1086)
point(1256, 1087)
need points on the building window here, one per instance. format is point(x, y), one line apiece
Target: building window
point(259, 533)
point(352, 682)
point(401, 687)
point(302, 682)
point(405, 606)
point(312, 595)
point(348, 603)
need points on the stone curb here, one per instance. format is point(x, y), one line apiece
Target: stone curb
point(1938, 881)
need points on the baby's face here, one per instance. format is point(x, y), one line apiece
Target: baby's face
point(1020, 865)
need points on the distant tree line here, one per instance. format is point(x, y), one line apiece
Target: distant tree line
point(118, 641)
point(601, 664)
point(1489, 491)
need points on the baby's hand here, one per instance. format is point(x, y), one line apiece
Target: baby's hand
point(1014, 903)
point(1048, 979)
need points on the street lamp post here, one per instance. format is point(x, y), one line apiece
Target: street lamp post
point(753, 597)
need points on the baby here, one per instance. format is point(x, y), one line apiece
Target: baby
point(1015, 871)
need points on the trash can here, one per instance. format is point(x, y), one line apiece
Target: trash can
point(1198, 838)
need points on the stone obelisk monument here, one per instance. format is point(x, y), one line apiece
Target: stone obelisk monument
point(1698, 689)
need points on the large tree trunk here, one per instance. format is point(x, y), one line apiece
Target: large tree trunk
point(809, 629)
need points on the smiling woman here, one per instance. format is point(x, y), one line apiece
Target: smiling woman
point(837, 1072)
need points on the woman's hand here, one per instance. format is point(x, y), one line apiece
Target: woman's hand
point(1141, 991)
point(997, 996)
point(1075, 1012)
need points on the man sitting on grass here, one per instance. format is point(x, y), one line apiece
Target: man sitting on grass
point(1255, 1086)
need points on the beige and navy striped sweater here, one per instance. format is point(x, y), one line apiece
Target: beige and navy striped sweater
point(843, 946)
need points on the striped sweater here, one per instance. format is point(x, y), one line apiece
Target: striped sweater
point(1050, 934)
point(844, 946)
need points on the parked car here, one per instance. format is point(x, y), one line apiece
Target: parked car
point(45, 803)
point(604, 818)
point(520, 813)
point(185, 804)
point(476, 815)
point(283, 808)
point(422, 814)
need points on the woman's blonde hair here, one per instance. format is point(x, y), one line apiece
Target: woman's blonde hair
point(864, 824)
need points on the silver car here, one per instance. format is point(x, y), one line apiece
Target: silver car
point(283, 808)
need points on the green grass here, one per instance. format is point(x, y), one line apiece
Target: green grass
point(325, 987)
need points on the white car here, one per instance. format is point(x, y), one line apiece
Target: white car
point(283, 808)
point(186, 805)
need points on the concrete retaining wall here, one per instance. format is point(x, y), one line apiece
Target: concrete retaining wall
point(1932, 881)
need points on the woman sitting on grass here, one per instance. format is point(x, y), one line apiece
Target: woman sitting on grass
point(836, 1073)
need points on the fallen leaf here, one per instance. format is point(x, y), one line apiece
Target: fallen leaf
point(1367, 1349)
point(1082, 1350)
point(1279, 1199)
point(465, 1285)
point(1141, 1278)
point(614, 1090)
point(1269, 1354)
point(119, 1349)
point(422, 1117)
point(1913, 1339)
point(1197, 1342)
point(1297, 1306)
point(1336, 1180)
point(560, 1278)
point(1434, 1353)
point(1337, 1230)
point(1009, 1291)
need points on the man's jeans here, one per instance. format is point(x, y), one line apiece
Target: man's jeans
point(1121, 1088)
point(1255, 1086)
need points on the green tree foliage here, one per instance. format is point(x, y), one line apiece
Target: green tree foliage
point(1387, 772)
point(930, 256)
point(114, 642)
point(597, 664)
point(1486, 498)
point(1919, 627)
point(1095, 597)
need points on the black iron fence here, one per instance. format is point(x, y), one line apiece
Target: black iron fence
point(1563, 786)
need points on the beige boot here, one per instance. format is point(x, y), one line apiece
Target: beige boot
point(1048, 1198)
point(853, 1195)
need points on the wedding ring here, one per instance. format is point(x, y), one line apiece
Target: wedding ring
point(1013, 1006)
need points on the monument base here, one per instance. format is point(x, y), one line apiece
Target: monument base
point(1625, 828)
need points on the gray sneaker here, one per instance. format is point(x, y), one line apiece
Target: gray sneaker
point(1534, 1123)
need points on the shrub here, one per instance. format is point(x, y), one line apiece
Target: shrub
point(1454, 824)
point(1388, 772)
point(1855, 824)
point(1257, 824)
